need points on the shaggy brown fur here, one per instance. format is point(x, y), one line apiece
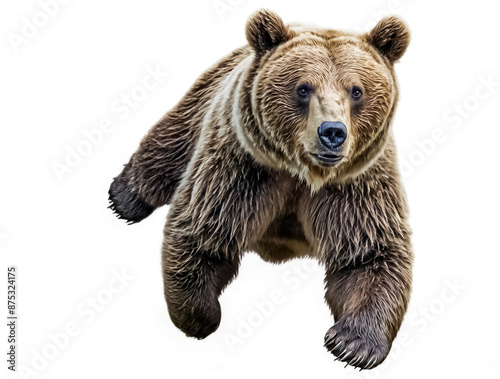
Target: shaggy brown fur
point(239, 160)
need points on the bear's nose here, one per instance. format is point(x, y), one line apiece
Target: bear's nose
point(332, 134)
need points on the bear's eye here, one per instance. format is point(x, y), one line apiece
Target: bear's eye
point(356, 93)
point(303, 91)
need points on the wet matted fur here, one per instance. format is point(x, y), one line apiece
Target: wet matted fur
point(241, 165)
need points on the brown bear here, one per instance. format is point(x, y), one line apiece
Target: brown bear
point(284, 148)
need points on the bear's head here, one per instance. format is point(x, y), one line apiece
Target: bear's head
point(321, 100)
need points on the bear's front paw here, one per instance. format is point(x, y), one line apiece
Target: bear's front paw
point(127, 204)
point(354, 342)
point(197, 320)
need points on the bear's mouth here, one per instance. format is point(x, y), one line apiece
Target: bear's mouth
point(327, 159)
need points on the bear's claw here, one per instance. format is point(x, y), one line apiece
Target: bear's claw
point(353, 343)
point(197, 320)
point(126, 204)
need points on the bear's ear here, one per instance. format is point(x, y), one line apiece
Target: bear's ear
point(391, 37)
point(266, 30)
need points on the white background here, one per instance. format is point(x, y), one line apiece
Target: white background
point(66, 243)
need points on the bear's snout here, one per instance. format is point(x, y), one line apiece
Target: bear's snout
point(332, 134)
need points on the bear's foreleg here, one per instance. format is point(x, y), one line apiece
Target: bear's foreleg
point(369, 302)
point(225, 204)
point(154, 171)
point(193, 282)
